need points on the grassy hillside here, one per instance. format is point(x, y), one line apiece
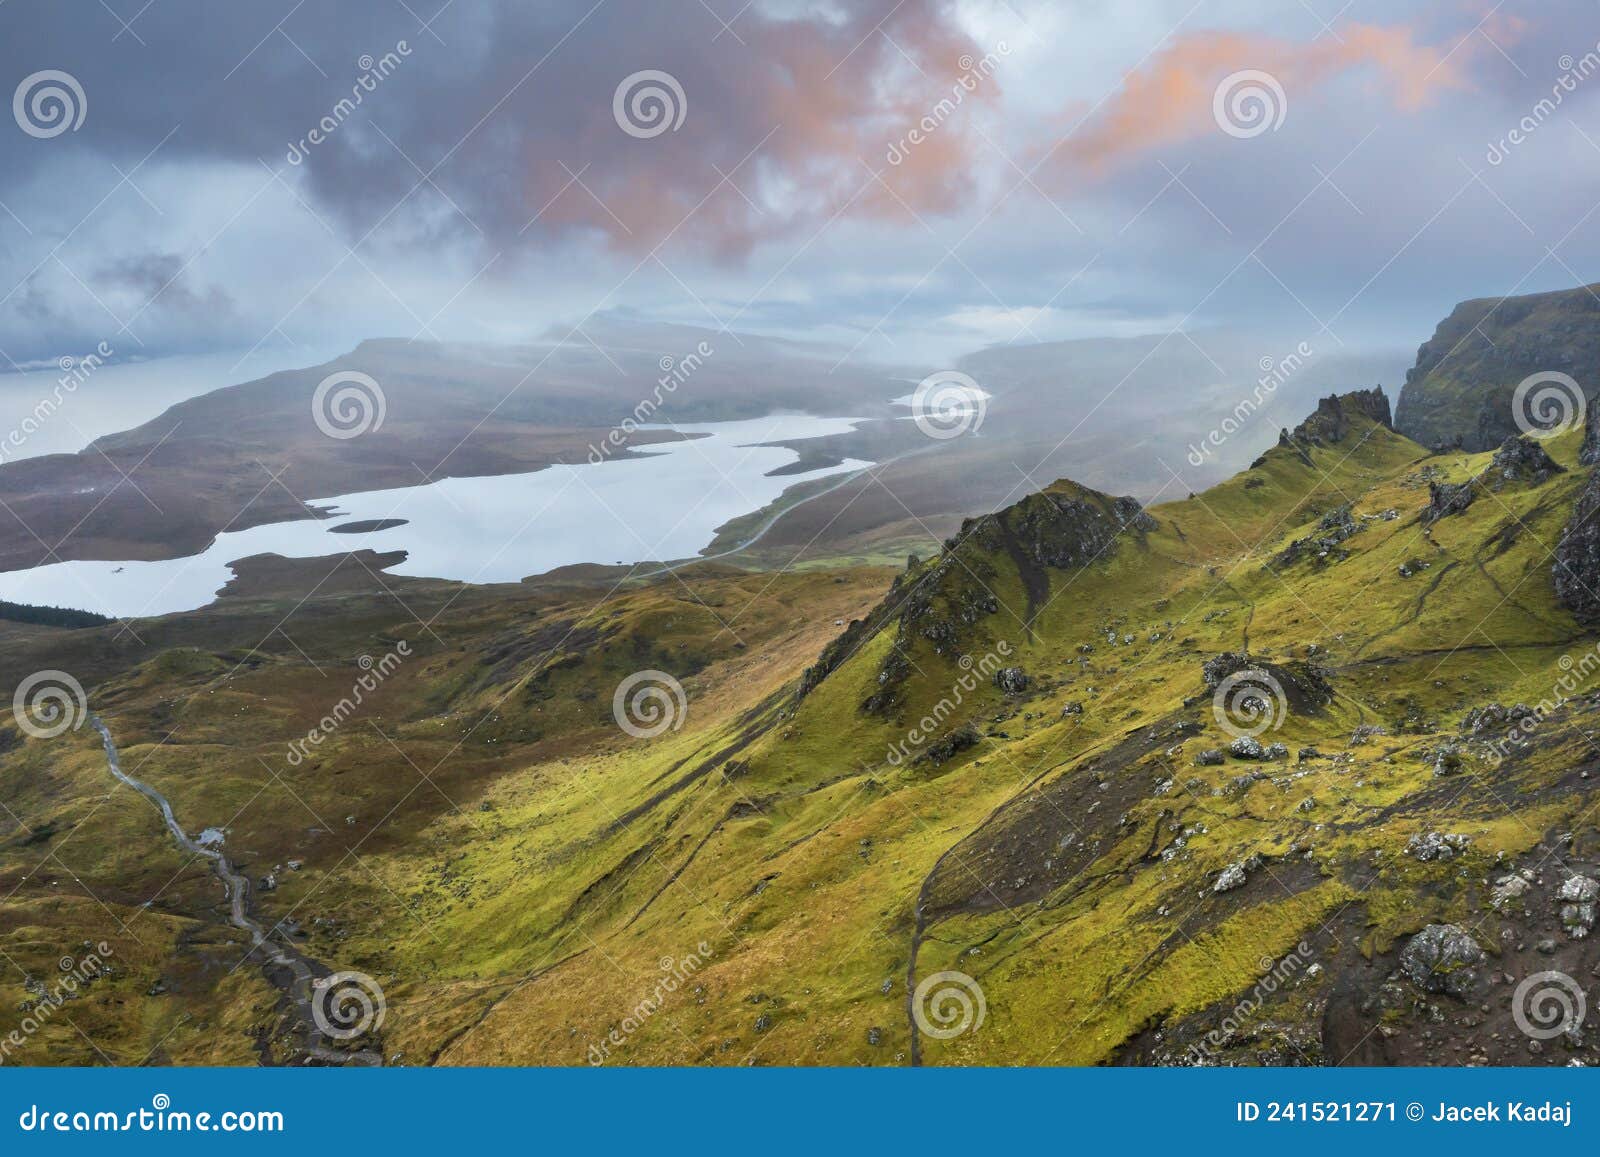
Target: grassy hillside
point(1000, 766)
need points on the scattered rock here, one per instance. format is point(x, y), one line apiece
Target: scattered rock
point(1011, 680)
point(1445, 499)
point(1442, 958)
point(1507, 890)
point(1427, 846)
point(952, 744)
point(1247, 747)
point(1333, 528)
point(1236, 874)
point(1521, 459)
point(1209, 758)
point(1578, 896)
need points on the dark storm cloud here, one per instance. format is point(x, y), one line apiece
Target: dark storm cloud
point(506, 109)
point(432, 174)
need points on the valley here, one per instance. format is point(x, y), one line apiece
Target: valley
point(1083, 848)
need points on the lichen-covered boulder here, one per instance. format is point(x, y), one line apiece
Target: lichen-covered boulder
point(1442, 958)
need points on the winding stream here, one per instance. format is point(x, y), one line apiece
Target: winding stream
point(287, 968)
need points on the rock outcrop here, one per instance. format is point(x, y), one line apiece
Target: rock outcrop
point(1519, 459)
point(1331, 422)
point(941, 603)
point(1576, 570)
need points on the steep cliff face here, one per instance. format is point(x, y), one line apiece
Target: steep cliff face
point(1461, 387)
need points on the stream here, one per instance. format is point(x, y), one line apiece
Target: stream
point(290, 970)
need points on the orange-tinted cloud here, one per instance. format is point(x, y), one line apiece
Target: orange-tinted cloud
point(1170, 100)
point(821, 105)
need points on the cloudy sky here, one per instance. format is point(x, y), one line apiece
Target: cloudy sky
point(905, 178)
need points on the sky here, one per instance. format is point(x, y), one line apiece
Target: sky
point(905, 179)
